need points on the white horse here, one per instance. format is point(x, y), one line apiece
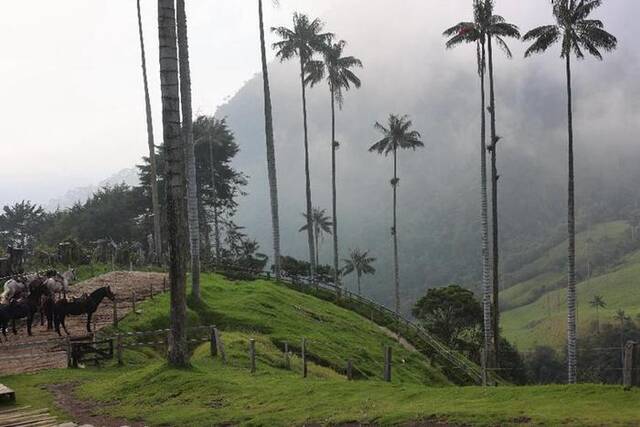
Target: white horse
point(14, 288)
point(59, 284)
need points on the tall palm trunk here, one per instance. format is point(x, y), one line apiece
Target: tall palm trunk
point(336, 277)
point(216, 220)
point(271, 156)
point(177, 355)
point(571, 223)
point(155, 199)
point(494, 209)
point(187, 136)
point(359, 293)
point(396, 269)
point(316, 236)
point(312, 255)
point(484, 226)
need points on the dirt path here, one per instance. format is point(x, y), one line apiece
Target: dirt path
point(45, 350)
point(83, 411)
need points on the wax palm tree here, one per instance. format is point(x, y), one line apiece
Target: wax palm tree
point(340, 78)
point(465, 33)
point(178, 351)
point(577, 34)
point(398, 135)
point(360, 262)
point(303, 41)
point(321, 225)
point(153, 169)
point(597, 302)
point(187, 136)
point(496, 29)
point(271, 154)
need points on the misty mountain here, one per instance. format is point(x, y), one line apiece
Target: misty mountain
point(127, 176)
point(407, 70)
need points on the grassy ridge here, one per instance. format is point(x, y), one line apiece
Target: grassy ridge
point(544, 321)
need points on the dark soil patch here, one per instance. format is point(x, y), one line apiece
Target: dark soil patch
point(85, 411)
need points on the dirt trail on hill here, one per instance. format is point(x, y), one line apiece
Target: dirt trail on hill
point(45, 350)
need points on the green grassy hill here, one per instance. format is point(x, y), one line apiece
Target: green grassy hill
point(535, 309)
point(601, 247)
point(212, 393)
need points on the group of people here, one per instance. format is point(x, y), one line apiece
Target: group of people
point(25, 295)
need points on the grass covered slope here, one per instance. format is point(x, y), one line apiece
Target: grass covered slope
point(210, 393)
point(543, 322)
point(602, 245)
point(274, 314)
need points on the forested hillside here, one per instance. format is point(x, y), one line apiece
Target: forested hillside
point(439, 210)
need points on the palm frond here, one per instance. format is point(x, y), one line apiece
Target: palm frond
point(544, 38)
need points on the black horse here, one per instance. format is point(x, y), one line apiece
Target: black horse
point(24, 308)
point(83, 305)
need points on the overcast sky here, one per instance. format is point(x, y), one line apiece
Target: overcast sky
point(73, 107)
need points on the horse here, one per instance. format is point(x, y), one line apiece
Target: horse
point(15, 287)
point(83, 305)
point(20, 309)
point(59, 283)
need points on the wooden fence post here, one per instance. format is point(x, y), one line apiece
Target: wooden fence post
point(115, 313)
point(69, 356)
point(287, 361)
point(252, 354)
point(212, 340)
point(119, 349)
point(220, 345)
point(151, 290)
point(133, 302)
point(349, 370)
point(304, 357)
point(631, 366)
point(387, 363)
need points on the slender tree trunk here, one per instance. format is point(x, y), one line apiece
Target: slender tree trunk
point(190, 158)
point(359, 291)
point(312, 255)
point(571, 286)
point(316, 236)
point(271, 156)
point(494, 210)
point(177, 355)
point(334, 197)
point(396, 269)
point(597, 320)
point(155, 199)
point(216, 221)
point(484, 226)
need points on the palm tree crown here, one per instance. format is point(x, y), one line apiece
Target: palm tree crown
point(337, 68)
point(305, 39)
point(484, 24)
point(574, 29)
point(320, 221)
point(360, 262)
point(397, 135)
point(597, 302)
